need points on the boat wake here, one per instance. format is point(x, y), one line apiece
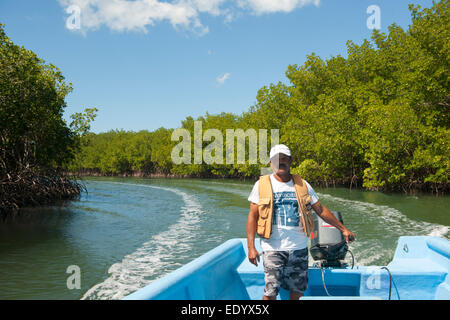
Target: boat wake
point(155, 257)
point(386, 224)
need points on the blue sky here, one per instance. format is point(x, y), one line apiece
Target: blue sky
point(147, 64)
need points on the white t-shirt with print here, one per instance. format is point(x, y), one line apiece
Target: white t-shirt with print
point(287, 230)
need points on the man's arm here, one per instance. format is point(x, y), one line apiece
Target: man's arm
point(329, 217)
point(252, 220)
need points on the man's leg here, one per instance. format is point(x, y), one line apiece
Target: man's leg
point(296, 274)
point(274, 262)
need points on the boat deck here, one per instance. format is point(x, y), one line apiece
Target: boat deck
point(419, 270)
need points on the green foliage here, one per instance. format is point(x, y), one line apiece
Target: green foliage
point(309, 170)
point(119, 151)
point(81, 122)
point(32, 93)
point(35, 141)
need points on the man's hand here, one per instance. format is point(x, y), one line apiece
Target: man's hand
point(349, 236)
point(253, 256)
point(329, 217)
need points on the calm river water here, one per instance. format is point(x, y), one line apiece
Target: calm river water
point(126, 232)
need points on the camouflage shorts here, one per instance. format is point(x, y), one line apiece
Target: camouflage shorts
point(285, 269)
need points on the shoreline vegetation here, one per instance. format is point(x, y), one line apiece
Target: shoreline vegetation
point(31, 188)
point(378, 119)
point(35, 142)
point(317, 183)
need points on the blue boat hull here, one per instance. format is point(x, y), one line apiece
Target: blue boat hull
point(419, 270)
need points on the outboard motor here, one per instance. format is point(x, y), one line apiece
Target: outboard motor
point(328, 245)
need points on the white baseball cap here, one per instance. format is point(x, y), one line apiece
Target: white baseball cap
point(279, 148)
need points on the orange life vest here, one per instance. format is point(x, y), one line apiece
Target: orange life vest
point(265, 206)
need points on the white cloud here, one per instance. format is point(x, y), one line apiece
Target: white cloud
point(138, 15)
point(272, 6)
point(221, 79)
point(210, 6)
point(122, 15)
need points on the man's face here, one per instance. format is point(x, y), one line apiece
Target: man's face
point(281, 163)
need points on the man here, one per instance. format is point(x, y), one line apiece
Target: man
point(285, 252)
